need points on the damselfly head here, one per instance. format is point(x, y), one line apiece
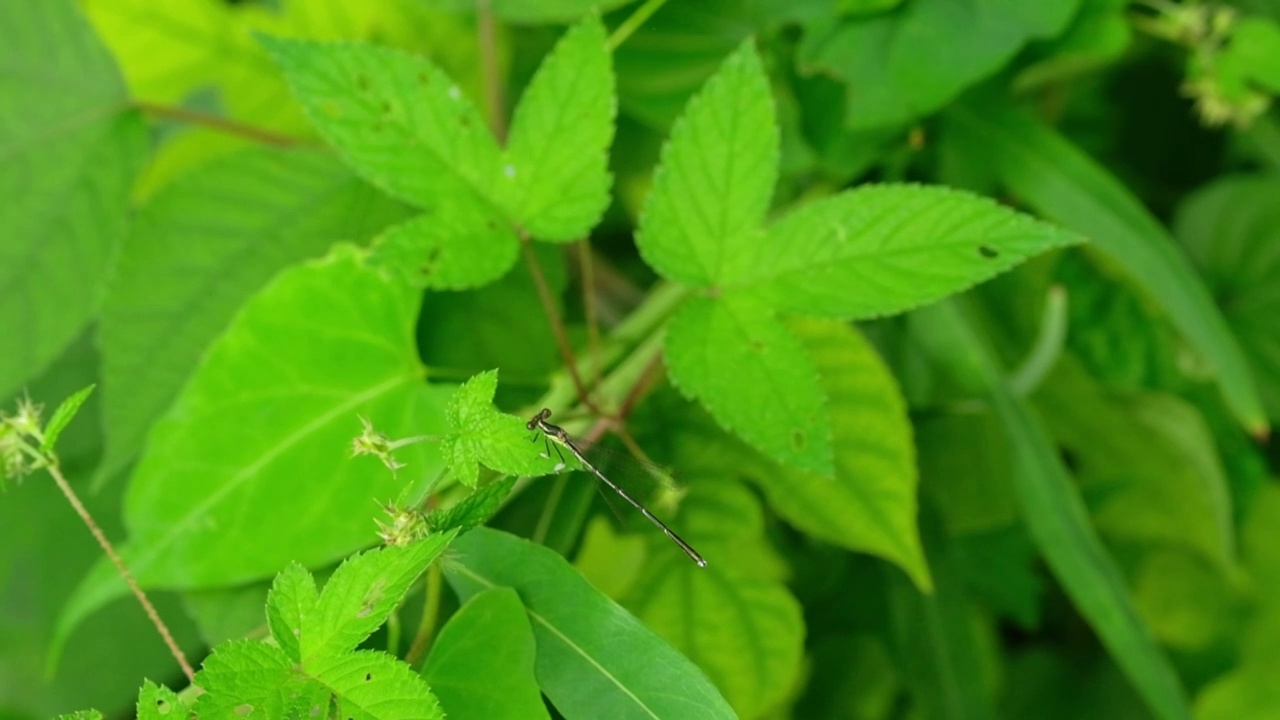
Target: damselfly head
point(536, 420)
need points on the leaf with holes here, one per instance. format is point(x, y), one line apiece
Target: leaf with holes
point(460, 244)
point(157, 702)
point(395, 118)
point(376, 686)
point(250, 676)
point(883, 249)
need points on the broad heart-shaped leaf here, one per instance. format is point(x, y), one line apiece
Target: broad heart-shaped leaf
point(260, 437)
point(595, 660)
point(883, 249)
point(249, 678)
point(1230, 229)
point(878, 57)
point(371, 685)
point(1058, 521)
point(480, 435)
point(557, 151)
point(715, 179)
point(870, 505)
point(199, 249)
point(157, 702)
point(69, 157)
point(742, 364)
point(361, 594)
point(735, 618)
point(460, 244)
point(1063, 183)
point(481, 665)
point(395, 118)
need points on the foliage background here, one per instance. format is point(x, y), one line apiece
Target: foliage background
point(1053, 496)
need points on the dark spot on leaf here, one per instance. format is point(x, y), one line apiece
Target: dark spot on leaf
point(798, 440)
point(387, 107)
point(492, 224)
point(424, 79)
point(988, 252)
point(362, 82)
point(368, 677)
point(757, 345)
point(466, 121)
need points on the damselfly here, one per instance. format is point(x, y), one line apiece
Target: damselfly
point(558, 435)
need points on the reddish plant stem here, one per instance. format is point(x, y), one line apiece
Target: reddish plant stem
point(231, 127)
point(129, 580)
point(557, 327)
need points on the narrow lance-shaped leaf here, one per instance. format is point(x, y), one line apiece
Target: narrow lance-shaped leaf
point(1056, 516)
point(62, 417)
point(595, 660)
point(883, 249)
point(715, 179)
point(556, 167)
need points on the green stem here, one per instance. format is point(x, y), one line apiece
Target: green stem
point(1048, 345)
point(633, 23)
point(430, 615)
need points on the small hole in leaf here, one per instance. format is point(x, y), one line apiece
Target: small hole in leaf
point(243, 710)
point(988, 252)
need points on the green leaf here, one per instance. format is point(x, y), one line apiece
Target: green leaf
point(62, 417)
point(735, 618)
point(1059, 523)
point(1062, 182)
point(260, 437)
point(69, 153)
point(395, 118)
point(199, 249)
point(740, 362)
point(938, 643)
point(480, 435)
point(481, 665)
point(292, 599)
point(361, 594)
point(870, 504)
point(558, 148)
point(81, 715)
point(715, 179)
point(370, 685)
point(1228, 228)
point(460, 244)
point(249, 676)
point(472, 510)
point(1097, 36)
point(882, 249)
point(157, 702)
point(1172, 490)
point(879, 57)
point(595, 660)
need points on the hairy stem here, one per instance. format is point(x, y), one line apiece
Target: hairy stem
point(129, 580)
